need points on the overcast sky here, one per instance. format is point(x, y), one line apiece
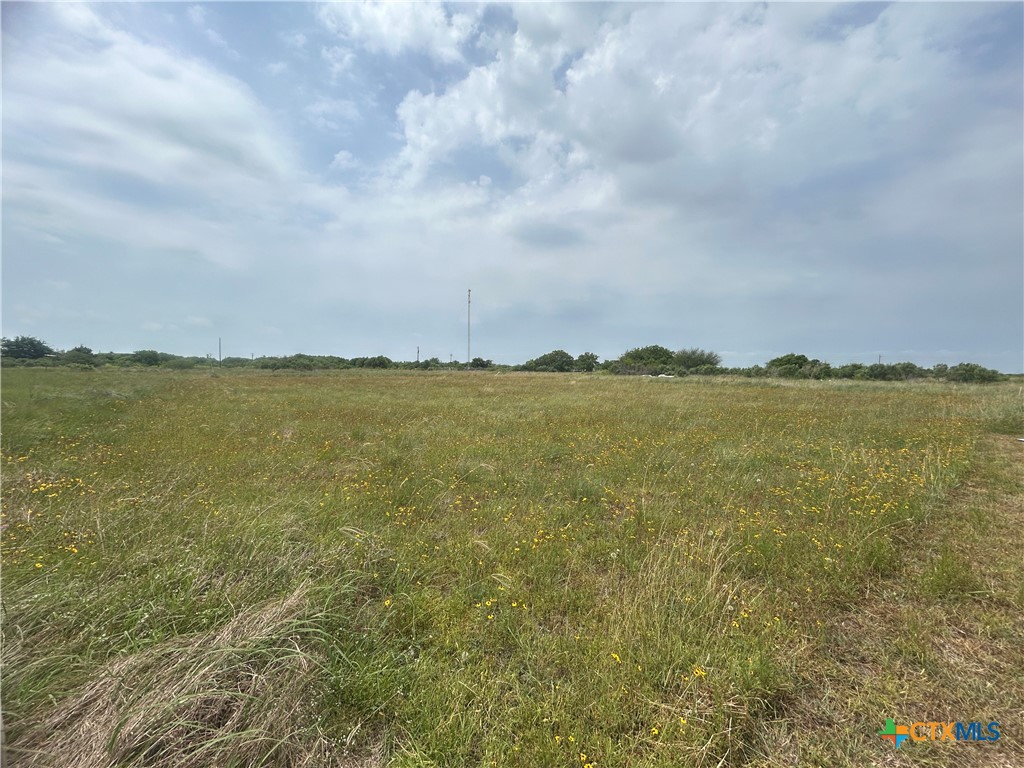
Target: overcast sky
point(842, 181)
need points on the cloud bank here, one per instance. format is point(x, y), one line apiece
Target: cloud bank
point(843, 181)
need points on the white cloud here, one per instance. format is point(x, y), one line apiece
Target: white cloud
point(344, 160)
point(339, 60)
point(723, 94)
point(686, 159)
point(294, 39)
point(383, 27)
point(167, 118)
point(196, 146)
point(214, 37)
point(197, 15)
point(718, 128)
point(331, 114)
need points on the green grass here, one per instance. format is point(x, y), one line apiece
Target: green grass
point(493, 570)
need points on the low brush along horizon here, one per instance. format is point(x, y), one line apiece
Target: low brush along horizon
point(653, 360)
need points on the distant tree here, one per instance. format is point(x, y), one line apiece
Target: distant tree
point(652, 355)
point(791, 366)
point(300, 362)
point(791, 359)
point(146, 357)
point(479, 363)
point(906, 371)
point(586, 362)
point(850, 371)
point(816, 369)
point(972, 373)
point(649, 361)
point(24, 347)
point(558, 361)
point(878, 372)
point(688, 359)
point(80, 356)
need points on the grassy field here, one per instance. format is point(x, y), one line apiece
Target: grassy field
point(383, 569)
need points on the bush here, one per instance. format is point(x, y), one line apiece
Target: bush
point(689, 359)
point(972, 373)
point(653, 360)
point(146, 357)
point(298, 362)
point(786, 371)
point(558, 361)
point(654, 355)
point(80, 356)
point(849, 371)
point(793, 366)
point(790, 361)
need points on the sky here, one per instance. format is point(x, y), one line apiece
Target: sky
point(844, 181)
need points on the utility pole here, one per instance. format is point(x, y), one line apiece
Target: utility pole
point(220, 357)
point(417, 355)
point(469, 357)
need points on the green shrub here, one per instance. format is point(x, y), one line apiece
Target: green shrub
point(972, 373)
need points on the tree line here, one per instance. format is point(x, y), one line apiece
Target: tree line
point(651, 360)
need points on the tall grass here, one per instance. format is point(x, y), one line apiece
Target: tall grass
point(446, 569)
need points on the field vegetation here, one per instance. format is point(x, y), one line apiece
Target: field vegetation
point(407, 568)
point(653, 360)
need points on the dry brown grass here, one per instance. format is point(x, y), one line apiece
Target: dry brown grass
point(239, 696)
